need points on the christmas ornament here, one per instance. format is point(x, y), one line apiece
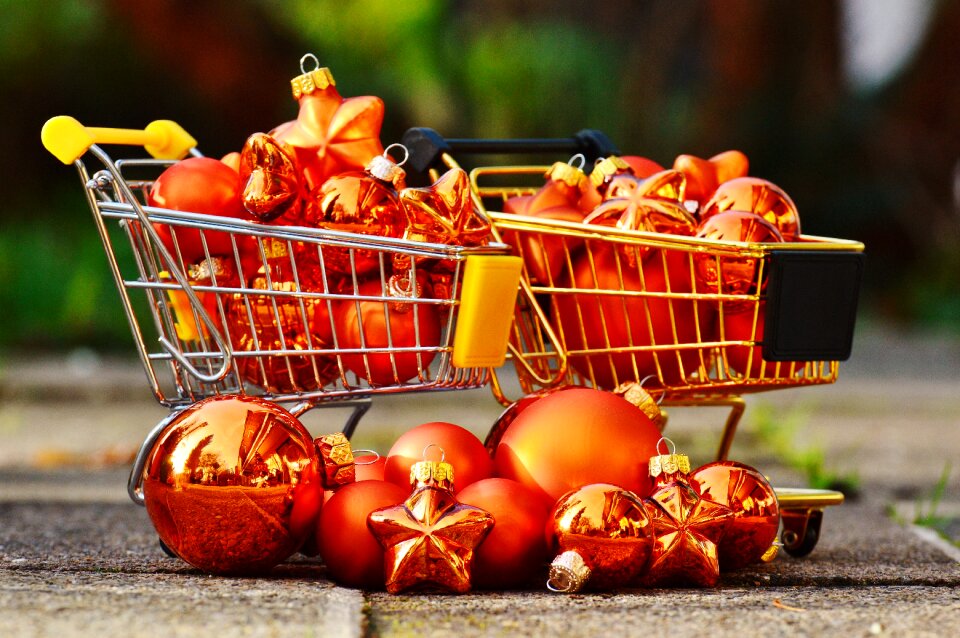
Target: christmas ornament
point(604, 538)
point(461, 447)
point(703, 176)
point(647, 206)
point(198, 185)
point(642, 167)
point(350, 551)
point(331, 135)
point(283, 324)
point(576, 437)
point(543, 254)
point(756, 513)
point(430, 538)
point(271, 180)
point(755, 195)
point(232, 485)
point(687, 526)
point(443, 213)
point(602, 322)
point(746, 324)
point(370, 467)
point(507, 417)
point(728, 274)
point(369, 324)
point(635, 394)
point(365, 203)
point(514, 552)
point(595, 187)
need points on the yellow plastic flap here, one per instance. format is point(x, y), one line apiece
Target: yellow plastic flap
point(487, 304)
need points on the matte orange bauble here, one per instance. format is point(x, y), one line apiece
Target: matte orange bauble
point(575, 438)
point(352, 554)
point(756, 512)
point(232, 485)
point(460, 448)
point(370, 467)
point(515, 551)
point(601, 321)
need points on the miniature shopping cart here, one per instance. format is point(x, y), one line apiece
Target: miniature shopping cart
point(234, 331)
point(650, 321)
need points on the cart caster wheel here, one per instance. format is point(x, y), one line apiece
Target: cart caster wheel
point(797, 546)
point(801, 512)
point(166, 550)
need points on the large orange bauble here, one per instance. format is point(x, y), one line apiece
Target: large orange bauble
point(232, 485)
point(574, 438)
point(461, 448)
point(515, 551)
point(352, 554)
point(609, 321)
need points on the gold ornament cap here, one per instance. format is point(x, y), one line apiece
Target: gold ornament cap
point(669, 464)
point(385, 169)
point(607, 168)
point(309, 82)
point(637, 396)
point(566, 173)
point(568, 573)
point(336, 460)
point(219, 269)
point(439, 473)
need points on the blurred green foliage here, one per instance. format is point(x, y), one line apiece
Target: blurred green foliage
point(660, 78)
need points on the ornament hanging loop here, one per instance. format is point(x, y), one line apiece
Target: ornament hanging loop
point(443, 454)
point(667, 443)
point(647, 378)
point(579, 160)
point(396, 145)
point(374, 453)
point(303, 63)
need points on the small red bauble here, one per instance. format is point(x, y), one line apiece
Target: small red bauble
point(198, 185)
point(577, 437)
point(461, 448)
point(402, 325)
point(351, 553)
point(515, 551)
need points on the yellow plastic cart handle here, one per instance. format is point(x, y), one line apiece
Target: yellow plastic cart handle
point(67, 139)
point(486, 310)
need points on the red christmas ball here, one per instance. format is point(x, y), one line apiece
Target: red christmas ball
point(369, 467)
point(515, 551)
point(578, 437)
point(460, 447)
point(352, 554)
point(739, 326)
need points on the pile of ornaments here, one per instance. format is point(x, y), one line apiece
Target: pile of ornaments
point(578, 493)
point(713, 199)
point(326, 170)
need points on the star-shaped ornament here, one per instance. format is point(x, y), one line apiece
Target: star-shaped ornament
point(331, 134)
point(686, 527)
point(429, 538)
point(443, 213)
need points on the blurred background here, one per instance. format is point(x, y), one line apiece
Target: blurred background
point(852, 106)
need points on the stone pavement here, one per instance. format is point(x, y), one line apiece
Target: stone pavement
point(77, 558)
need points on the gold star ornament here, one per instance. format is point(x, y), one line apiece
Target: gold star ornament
point(429, 538)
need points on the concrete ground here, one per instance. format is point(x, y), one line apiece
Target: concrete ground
point(77, 558)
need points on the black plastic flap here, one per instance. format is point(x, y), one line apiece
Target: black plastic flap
point(811, 305)
point(426, 146)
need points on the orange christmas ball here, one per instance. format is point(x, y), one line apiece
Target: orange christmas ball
point(232, 485)
point(352, 554)
point(578, 437)
point(460, 447)
point(744, 325)
point(369, 467)
point(515, 551)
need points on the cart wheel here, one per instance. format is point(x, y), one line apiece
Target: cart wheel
point(799, 547)
point(166, 550)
